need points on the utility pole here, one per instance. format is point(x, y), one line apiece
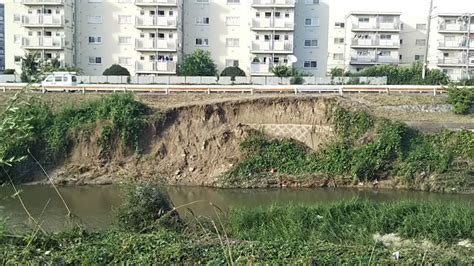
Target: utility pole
point(467, 19)
point(428, 33)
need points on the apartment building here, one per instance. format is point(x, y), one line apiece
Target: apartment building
point(153, 36)
point(2, 38)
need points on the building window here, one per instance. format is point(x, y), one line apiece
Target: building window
point(123, 19)
point(232, 21)
point(202, 20)
point(311, 2)
point(311, 22)
point(310, 64)
point(233, 2)
point(95, 39)
point(123, 40)
point(95, 60)
point(231, 63)
point(17, 59)
point(419, 57)
point(16, 18)
point(421, 27)
point(421, 42)
point(338, 56)
point(364, 20)
point(232, 42)
point(339, 25)
point(338, 40)
point(94, 19)
point(202, 42)
point(311, 43)
point(126, 61)
point(202, 1)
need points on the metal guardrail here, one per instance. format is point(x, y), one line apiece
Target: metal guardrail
point(248, 89)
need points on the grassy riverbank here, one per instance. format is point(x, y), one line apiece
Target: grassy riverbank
point(366, 149)
point(346, 232)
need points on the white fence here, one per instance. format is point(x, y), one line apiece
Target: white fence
point(170, 80)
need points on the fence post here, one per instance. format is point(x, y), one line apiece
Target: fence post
point(341, 90)
point(434, 91)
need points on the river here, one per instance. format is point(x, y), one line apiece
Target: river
point(93, 205)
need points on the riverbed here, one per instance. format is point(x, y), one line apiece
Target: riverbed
point(93, 206)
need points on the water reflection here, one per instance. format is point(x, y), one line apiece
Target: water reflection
point(93, 205)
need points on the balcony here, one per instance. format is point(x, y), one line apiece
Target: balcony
point(43, 2)
point(282, 47)
point(453, 61)
point(376, 43)
point(273, 3)
point(42, 20)
point(454, 28)
point(153, 22)
point(374, 60)
point(273, 24)
point(263, 69)
point(376, 26)
point(454, 45)
point(43, 43)
point(163, 45)
point(156, 2)
point(155, 67)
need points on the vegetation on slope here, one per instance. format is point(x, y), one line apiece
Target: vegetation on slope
point(366, 149)
point(49, 133)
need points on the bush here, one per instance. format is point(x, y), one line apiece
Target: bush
point(116, 70)
point(199, 63)
point(232, 72)
point(9, 71)
point(461, 98)
point(146, 207)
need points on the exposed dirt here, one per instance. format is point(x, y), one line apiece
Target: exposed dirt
point(197, 142)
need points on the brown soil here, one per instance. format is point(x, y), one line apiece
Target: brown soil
point(196, 144)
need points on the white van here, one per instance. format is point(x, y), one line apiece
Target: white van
point(60, 79)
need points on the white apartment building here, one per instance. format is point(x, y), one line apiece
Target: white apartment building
point(153, 36)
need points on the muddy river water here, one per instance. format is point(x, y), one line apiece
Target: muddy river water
point(93, 205)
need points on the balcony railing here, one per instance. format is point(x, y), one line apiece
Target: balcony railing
point(42, 20)
point(455, 44)
point(156, 2)
point(376, 42)
point(267, 3)
point(155, 44)
point(452, 61)
point(44, 42)
point(277, 46)
point(273, 23)
point(155, 22)
point(374, 60)
point(42, 2)
point(260, 68)
point(452, 27)
point(377, 26)
point(165, 67)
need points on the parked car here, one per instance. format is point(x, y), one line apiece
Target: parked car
point(60, 79)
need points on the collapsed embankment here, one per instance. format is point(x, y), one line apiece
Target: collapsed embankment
point(197, 144)
point(243, 142)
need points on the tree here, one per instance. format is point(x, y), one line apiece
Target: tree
point(116, 70)
point(282, 71)
point(199, 63)
point(232, 72)
point(338, 72)
point(30, 67)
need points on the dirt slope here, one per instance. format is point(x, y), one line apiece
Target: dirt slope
point(199, 142)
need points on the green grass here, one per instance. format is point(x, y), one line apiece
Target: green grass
point(120, 119)
point(325, 234)
point(365, 149)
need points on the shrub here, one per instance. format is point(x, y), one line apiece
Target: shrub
point(9, 71)
point(116, 70)
point(232, 72)
point(282, 71)
point(146, 207)
point(199, 63)
point(461, 98)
